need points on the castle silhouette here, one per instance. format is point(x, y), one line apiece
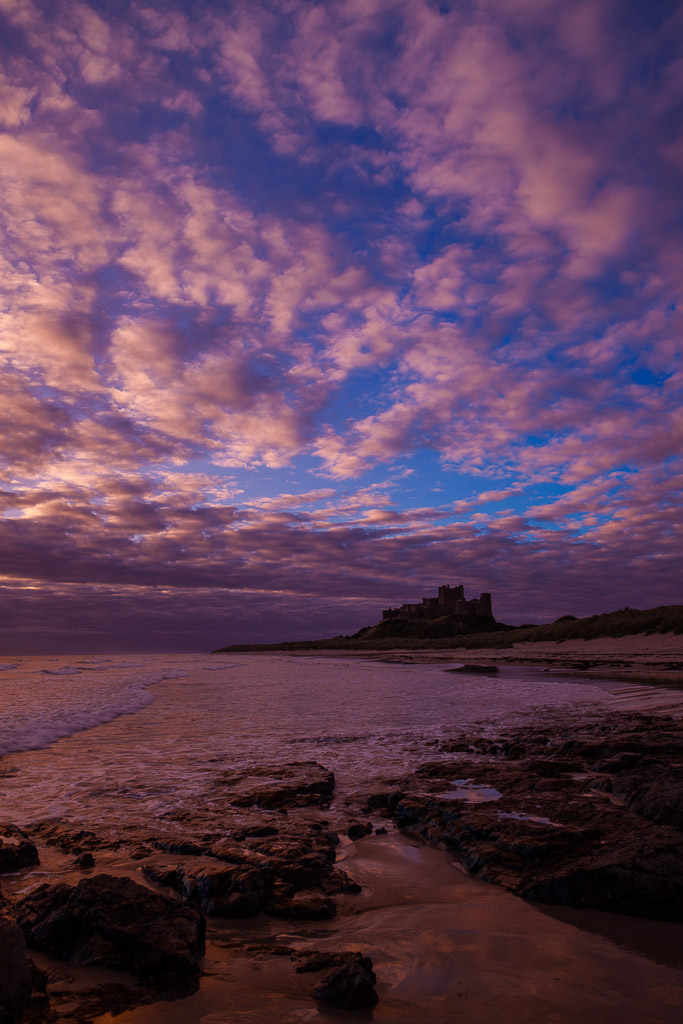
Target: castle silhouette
point(450, 601)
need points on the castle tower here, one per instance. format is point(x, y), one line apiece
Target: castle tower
point(449, 595)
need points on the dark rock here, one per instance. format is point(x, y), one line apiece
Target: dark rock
point(297, 784)
point(289, 874)
point(309, 960)
point(85, 860)
point(15, 968)
point(218, 890)
point(183, 847)
point(273, 948)
point(307, 871)
point(258, 831)
point(17, 851)
point(303, 860)
point(655, 793)
point(284, 901)
point(350, 987)
point(115, 923)
point(226, 891)
point(359, 829)
point(163, 872)
point(621, 762)
point(553, 836)
point(233, 852)
point(140, 853)
point(409, 812)
point(54, 833)
point(385, 801)
point(548, 767)
point(476, 667)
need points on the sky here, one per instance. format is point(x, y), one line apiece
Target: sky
point(308, 308)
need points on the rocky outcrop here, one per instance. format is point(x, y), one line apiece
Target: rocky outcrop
point(350, 985)
point(17, 850)
point(115, 923)
point(15, 968)
point(286, 873)
point(652, 791)
point(217, 889)
point(591, 820)
point(349, 981)
point(281, 786)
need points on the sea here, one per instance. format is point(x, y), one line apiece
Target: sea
point(125, 742)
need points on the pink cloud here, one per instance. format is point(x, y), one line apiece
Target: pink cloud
point(365, 236)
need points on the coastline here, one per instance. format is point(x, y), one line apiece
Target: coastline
point(638, 658)
point(274, 852)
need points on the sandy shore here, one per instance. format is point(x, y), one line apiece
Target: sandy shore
point(445, 947)
point(656, 658)
point(649, 665)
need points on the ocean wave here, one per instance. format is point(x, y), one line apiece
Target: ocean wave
point(47, 724)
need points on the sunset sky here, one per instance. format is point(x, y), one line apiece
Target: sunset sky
point(310, 307)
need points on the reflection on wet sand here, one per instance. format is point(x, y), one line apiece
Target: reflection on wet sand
point(455, 948)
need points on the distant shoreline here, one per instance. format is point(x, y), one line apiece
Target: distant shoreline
point(647, 658)
point(628, 644)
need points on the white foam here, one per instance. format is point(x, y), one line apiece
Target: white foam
point(39, 717)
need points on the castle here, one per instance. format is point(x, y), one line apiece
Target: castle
point(450, 601)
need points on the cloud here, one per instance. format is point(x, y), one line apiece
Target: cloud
point(273, 276)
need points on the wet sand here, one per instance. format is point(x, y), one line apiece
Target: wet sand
point(445, 948)
point(641, 659)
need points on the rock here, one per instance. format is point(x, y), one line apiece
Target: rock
point(115, 923)
point(554, 834)
point(85, 860)
point(476, 667)
point(641, 881)
point(15, 968)
point(226, 891)
point(307, 960)
point(233, 852)
point(350, 987)
point(655, 793)
point(54, 832)
point(283, 786)
point(17, 851)
point(183, 847)
point(163, 872)
point(284, 901)
point(290, 873)
point(216, 888)
point(359, 829)
point(302, 861)
point(140, 853)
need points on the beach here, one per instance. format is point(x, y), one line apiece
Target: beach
point(307, 810)
point(648, 658)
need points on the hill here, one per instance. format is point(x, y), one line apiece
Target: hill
point(435, 635)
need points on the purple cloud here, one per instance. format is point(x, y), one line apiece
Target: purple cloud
point(322, 303)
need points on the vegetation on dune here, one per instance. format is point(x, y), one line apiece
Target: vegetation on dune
point(439, 634)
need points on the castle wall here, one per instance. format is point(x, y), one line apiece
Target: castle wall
point(450, 601)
